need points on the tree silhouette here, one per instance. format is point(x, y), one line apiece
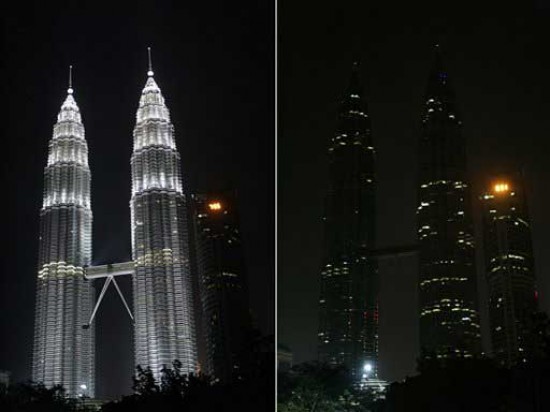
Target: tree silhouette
point(318, 387)
point(176, 391)
point(480, 384)
point(31, 397)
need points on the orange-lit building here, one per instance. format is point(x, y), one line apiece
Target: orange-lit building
point(509, 269)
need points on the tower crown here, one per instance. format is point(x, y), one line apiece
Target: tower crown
point(69, 110)
point(151, 103)
point(440, 99)
point(67, 158)
point(155, 157)
point(354, 91)
point(353, 121)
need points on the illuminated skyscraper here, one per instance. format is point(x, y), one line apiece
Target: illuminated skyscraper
point(449, 322)
point(222, 284)
point(348, 321)
point(509, 269)
point(63, 351)
point(163, 305)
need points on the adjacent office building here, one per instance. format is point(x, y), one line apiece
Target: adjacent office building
point(348, 318)
point(221, 278)
point(509, 269)
point(63, 351)
point(449, 321)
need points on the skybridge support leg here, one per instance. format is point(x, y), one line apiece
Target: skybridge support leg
point(108, 281)
point(123, 300)
point(105, 286)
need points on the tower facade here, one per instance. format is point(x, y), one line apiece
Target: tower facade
point(64, 352)
point(221, 271)
point(348, 319)
point(509, 269)
point(449, 321)
point(163, 305)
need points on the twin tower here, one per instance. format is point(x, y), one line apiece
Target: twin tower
point(64, 350)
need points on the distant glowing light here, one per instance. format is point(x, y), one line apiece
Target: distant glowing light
point(215, 206)
point(83, 386)
point(501, 187)
point(367, 367)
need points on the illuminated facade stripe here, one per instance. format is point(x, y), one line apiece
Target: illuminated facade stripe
point(163, 305)
point(348, 317)
point(449, 322)
point(64, 352)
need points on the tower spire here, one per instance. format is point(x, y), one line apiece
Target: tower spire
point(150, 72)
point(70, 89)
point(354, 86)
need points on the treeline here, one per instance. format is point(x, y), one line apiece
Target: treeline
point(454, 384)
point(251, 389)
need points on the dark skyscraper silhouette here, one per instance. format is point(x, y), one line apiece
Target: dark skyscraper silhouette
point(449, 321)
point(221, 278)
point(509, 269)
point(348, 319)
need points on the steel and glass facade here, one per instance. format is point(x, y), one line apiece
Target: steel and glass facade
point(509, 269)
point(64, 352)
point(449, 321)
point(348, 320)
point(163, 306)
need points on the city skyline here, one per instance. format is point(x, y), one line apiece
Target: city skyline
point(166, 282)
point(494, 82)
point(108, 92)
point(320, 197)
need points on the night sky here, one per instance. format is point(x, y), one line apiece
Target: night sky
point(498, 63)
point(214, 63)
